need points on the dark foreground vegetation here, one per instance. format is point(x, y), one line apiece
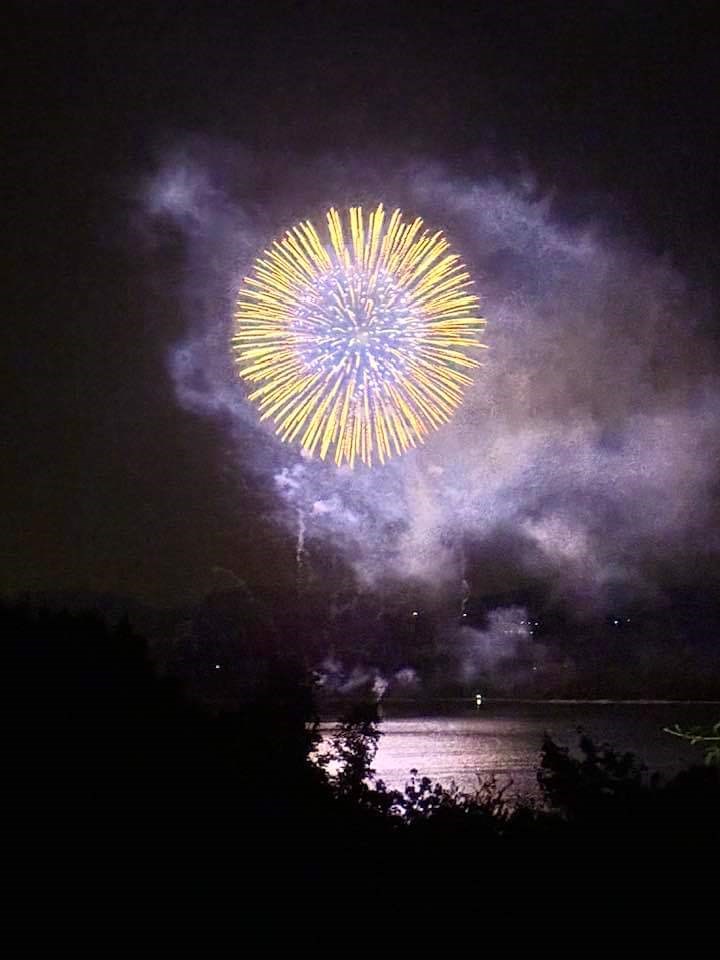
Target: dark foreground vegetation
point(122, 788)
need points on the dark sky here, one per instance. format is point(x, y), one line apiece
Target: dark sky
point(109, 482)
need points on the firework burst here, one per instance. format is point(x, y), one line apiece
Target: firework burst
point(357, 347)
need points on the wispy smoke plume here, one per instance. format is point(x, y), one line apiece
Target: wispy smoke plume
point(334, 677)
point(494, 653)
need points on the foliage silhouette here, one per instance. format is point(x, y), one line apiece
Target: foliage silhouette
point(111, 769)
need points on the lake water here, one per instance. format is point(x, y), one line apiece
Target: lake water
point(453, 741)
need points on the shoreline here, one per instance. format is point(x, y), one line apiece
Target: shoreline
point(602, 701)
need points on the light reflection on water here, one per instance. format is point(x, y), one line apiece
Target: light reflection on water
point(504, 739)
point(458, 749)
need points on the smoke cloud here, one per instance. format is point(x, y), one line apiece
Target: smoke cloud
point(586, 449)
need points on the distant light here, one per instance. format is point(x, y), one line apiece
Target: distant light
point(464, 614)
point(217, 666)
point(415, 613)
point(616, 622)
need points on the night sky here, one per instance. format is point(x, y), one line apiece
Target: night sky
point(570, 151)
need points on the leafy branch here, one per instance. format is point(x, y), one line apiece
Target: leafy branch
point(700, 735)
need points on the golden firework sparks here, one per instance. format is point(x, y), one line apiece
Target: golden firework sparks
point(357, 346)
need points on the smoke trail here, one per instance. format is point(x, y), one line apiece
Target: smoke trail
point(300, 545)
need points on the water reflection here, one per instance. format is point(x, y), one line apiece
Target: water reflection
point(505, 739)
